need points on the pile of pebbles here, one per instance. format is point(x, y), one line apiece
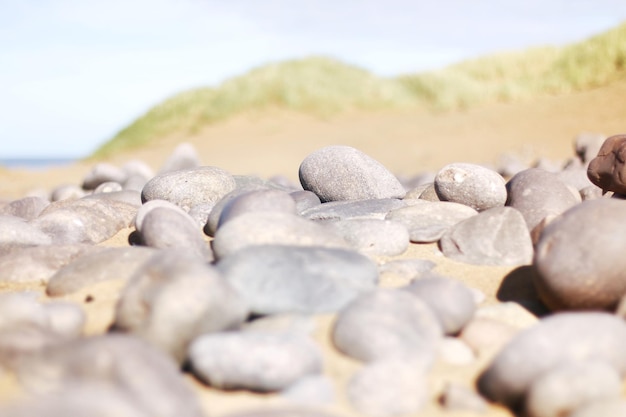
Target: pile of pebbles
point(226, 278)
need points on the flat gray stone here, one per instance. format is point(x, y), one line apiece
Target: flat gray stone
point(174, 298)
point(386, 324)
point(473, 185)
point(267, 228)
point(256, 361)
point(555, 340)
point(149, 376)
point(360, 209)
point(101, 265)
point(337, 173)
point(579, 262)
point(428, 221)
point(280, 279)
point(496, 236)
point(374, 236)
point(189, 187)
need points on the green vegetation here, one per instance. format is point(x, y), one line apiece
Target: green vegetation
point(324, 86)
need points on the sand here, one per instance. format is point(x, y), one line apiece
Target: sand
point(407, 142)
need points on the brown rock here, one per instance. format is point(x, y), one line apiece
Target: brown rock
point(607, 170)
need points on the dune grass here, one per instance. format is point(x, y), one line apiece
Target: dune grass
point(324, 86)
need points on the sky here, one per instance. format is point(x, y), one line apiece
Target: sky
point(75, 72)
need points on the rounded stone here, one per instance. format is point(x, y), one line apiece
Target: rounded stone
point(537, 193)
point(101, 173)
point(338, 173)
point(216, 212)
point(305, 200)
point(428, 221)
point(496, 236)
point(565, 388)
point(164, 228)
point(555, 340)
point(613, 408)
point(450, 300)
point(189, 187)
point(257, 201)
point(151, 205)
point(174, 298)
point(279, 279)
point(65, 318)
point(374, 236)
point(388, 388)
point(108, 187)
point(183, 157)
point(387, 324)
point(66, 192)
point(16, 231)
point(473, 185)
point(256, 361)
point(272, 228)
point(607, 169)
point(579, 262)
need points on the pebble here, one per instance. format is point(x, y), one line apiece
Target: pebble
point(388, 388)
point(19, 344)
point(27, 208)
point(22, 309)
point(101, 173)
point(567, 387)
point(338, 173)
point(456, 352)
point(150, 205)
point(456, 397)
point(130, 197)
point(215, 213)
point(66, 192)
point(274, 201)
point(428, 221)
point(108, 187)
point(104, 264)
point(189, 187)
point(537, 193)
point(272, 228)
point(386, 324)
point(406, 269)
point(511, 313)
point(65, 318)
point(200, 214)
point(613, 408)
point(84, 220)
point(473, 185)
point(314, 390)
point(17, 232)
point(487, 336)
point(183, 157)
point(359, 209)
point(136, 168)
point(576, 178)
point(38, 263)
point(450, 300)
point(430, 193)
point(174, 298)
point(374, 236)
point(149, 376)
point(164, 228)
point(496, 236)
point(290, 279)
point(579, 260)
point(607, 169)
point(587, 145)
point(256, 361)
point(557, 339)
point(305, 200)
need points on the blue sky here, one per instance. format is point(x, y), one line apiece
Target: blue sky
point(73, 73)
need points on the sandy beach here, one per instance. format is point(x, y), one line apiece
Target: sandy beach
point(407, 143)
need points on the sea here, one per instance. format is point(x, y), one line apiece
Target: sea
point(35, 163)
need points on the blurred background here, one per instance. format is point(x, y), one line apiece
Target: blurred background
point(76, 74)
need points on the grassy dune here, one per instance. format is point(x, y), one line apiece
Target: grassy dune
point(324, 86)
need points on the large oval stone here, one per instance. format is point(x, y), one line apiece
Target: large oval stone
point(579, 261)
point(345, 173)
